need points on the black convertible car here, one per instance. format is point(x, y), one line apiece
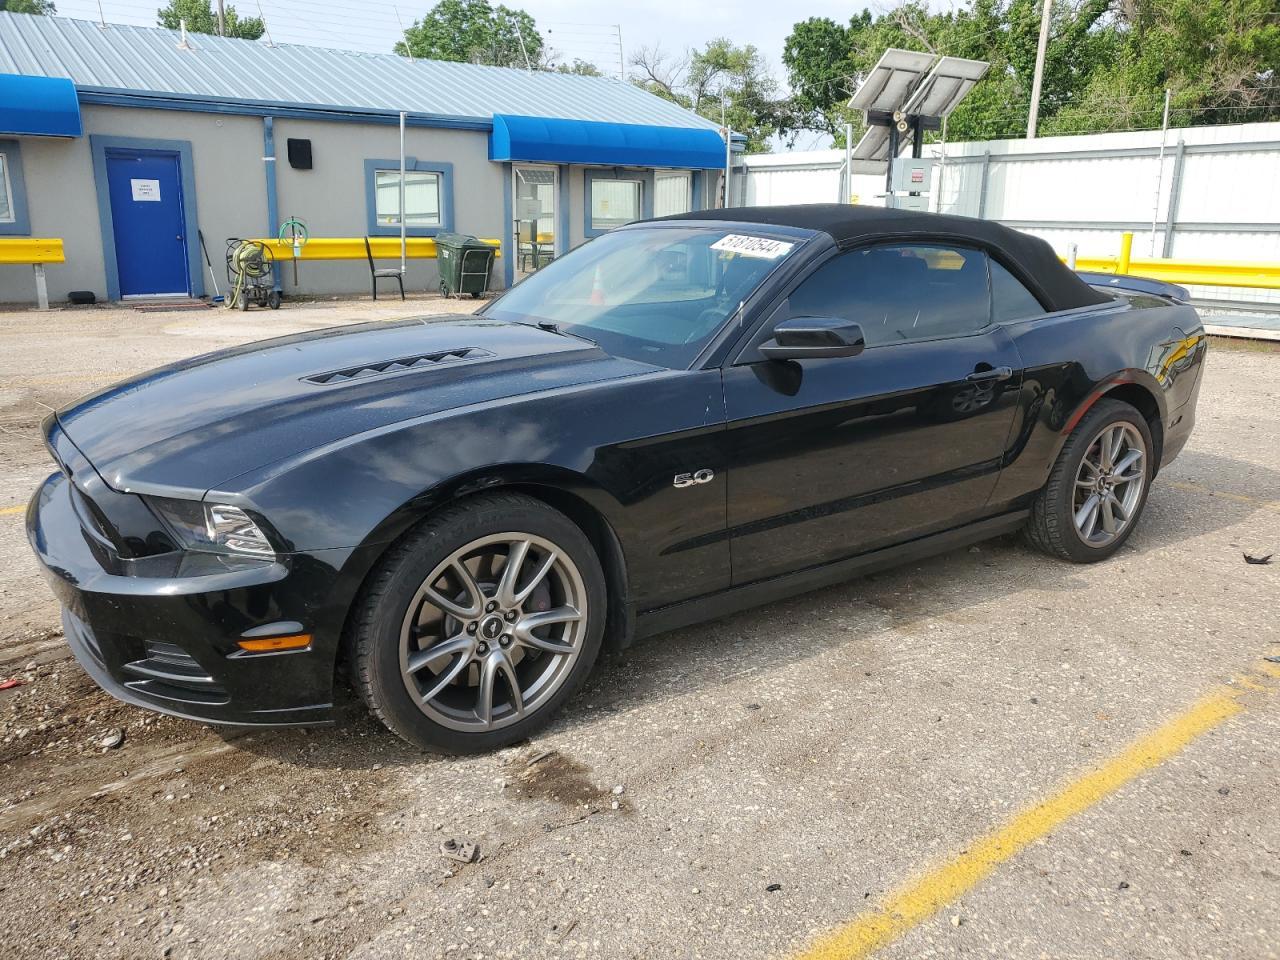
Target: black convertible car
point(679, 419)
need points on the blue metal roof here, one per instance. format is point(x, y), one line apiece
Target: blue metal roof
point(124, 64)
point(587, 141)
point(39, 106)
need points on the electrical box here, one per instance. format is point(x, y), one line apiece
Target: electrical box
point(299, 154)
point(911, 203)
point(912, 174)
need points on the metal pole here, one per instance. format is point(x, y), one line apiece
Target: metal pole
point(407, 51)
point(1175, 196)
point(265, 29)
point(404, 266)
point(1155, 209)
point(1033, 117)
point(622, 68)
point(222, 18)
point(523, 52)
point(888, 175)
point(942, 167)
point(42, 288)
point(1071, 255)
point(1126, 253)
point(982, 184)
point(728, 151)
point(848, 163)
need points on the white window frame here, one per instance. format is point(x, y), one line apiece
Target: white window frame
point(393, 220)
point(6, 186)
point(591, 200)
point(687, 177)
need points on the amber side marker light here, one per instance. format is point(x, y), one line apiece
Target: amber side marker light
point(298, 641)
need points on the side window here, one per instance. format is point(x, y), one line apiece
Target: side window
point(1010, 300)
point(900, 292)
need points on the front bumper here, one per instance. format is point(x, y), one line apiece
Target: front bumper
point(160, 632)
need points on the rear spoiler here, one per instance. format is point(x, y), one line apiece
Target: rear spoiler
point(1158, 288)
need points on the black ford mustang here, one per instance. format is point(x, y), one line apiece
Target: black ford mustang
point(679, 419)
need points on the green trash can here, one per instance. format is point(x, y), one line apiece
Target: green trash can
point(465, 264)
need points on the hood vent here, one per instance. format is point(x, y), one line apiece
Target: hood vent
point(385, 368)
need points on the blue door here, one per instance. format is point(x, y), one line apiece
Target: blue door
point(150, 232)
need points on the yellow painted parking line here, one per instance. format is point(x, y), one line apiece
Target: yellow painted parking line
point(1237, 497)
point(12, 511)
point(919, 899)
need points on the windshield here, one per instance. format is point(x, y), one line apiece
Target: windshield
point(655, 294)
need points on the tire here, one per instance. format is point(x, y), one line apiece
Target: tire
point(1053, 528)
point(274, 299)
point(412, 606)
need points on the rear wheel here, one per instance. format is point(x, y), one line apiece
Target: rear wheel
point(1098, 487)
point(480, 625)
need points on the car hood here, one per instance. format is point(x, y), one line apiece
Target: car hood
point(195, 424)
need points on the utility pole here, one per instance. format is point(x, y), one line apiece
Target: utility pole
point(222, 18)
point(1033, 117)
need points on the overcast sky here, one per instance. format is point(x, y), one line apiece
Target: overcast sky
point(578, 28)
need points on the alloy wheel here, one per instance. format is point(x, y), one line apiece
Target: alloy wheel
point(1109, 484)
point(493, 631)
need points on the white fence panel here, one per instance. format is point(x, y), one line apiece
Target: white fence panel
point(1220, 186)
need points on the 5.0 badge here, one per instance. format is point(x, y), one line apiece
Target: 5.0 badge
point(683, 480)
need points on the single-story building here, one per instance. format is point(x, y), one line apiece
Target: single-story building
point(133, 145)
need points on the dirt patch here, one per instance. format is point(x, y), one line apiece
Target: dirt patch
point(553, 776)
point(97, 835)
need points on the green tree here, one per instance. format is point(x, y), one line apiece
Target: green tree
point(581, 68)
point(200, 18)
point(474, 31)
point(42, 7)
point(1220, 60)
point(1107, 64)
point(720, 80)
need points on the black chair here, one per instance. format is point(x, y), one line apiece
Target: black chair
point(376, 274)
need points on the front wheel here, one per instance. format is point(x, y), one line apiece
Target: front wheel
point(1098, 487)
point(480, 624)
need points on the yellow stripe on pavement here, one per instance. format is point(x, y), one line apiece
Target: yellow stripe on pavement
point(6, 511)
point(1237, 497)
point(920, 899)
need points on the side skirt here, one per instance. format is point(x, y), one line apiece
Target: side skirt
point(725, 602)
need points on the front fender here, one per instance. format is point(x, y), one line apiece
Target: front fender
point(614, 446)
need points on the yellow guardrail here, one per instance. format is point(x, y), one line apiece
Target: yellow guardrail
point(352, 248)
point(33, 250)
point(1211, 273)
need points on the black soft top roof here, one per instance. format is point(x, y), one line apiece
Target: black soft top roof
point(1029, 258)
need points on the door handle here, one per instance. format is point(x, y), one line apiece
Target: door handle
point(995, 373)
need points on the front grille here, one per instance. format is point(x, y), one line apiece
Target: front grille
point(169, 671)
point(400, 365)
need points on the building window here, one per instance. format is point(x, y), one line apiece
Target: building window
point(421, 198)
point(428, 197)
point(672, 193)
point(6, 192)
point(13, 196)
point(615, 202)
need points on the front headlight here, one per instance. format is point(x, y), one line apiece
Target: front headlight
point(213, 527)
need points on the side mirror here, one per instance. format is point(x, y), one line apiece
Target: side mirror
point(802, 338)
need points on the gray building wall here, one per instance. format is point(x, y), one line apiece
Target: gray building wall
point(231, 194)
point(331, 197)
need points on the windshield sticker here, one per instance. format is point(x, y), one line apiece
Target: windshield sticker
point(761, 247)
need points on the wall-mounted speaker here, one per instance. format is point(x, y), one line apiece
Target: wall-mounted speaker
point(300, 154)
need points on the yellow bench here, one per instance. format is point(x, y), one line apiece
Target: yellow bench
point(36, 251)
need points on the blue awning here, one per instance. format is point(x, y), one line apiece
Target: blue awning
point(38, 106)
point(611, 144)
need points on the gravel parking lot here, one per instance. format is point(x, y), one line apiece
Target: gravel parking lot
point(863, 767)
